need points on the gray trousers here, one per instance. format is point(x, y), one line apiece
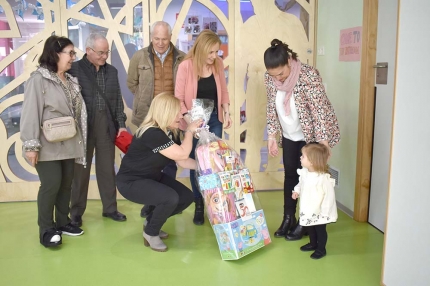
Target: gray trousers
point(100, 142)
point(54, 193)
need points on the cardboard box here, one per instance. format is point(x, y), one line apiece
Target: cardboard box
point(242, 236)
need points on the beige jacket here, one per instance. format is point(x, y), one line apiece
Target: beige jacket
point(44, 99)
point(140, 80)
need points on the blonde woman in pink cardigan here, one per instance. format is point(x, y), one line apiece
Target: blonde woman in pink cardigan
point(201, 75)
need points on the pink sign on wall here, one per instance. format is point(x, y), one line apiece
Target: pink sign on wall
point(350, 45)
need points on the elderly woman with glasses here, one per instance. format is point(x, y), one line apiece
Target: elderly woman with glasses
point(51, 92)
point(299, 112)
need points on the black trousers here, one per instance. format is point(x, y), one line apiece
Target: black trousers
point(318, 236)
point(291, 152)
point(54, 193)
point(167, 195)
point(99, 141)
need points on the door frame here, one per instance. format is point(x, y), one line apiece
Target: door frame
point(366, 111)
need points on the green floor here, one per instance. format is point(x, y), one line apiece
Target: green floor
point(112, 253)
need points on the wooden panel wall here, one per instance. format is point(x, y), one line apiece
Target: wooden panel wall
point(247, 43)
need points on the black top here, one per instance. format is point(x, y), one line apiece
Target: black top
point(143, 159)
point(206, 89)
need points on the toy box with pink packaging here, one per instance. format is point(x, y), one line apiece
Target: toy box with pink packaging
point(231, 202)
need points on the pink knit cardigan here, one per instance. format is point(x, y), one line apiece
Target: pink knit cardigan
point(186, 87)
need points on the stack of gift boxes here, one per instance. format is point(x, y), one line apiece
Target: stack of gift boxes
point(229, 195)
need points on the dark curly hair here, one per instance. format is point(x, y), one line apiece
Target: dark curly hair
point(49, 57)
point(278, 54)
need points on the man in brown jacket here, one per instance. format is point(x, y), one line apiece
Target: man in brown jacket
point(152, 70)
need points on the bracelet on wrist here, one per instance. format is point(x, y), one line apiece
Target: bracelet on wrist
point(271, 139)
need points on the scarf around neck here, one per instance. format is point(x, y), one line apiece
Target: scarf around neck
point(289, 83)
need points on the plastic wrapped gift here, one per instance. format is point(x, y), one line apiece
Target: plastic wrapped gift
point(231, 202)
point(201, 109)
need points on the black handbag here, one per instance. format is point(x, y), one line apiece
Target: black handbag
point(113, 124)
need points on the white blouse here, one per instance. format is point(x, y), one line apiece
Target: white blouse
point(317, 198)
point(291, 128)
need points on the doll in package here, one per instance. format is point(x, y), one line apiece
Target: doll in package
point(223, 179)
point(232, 205)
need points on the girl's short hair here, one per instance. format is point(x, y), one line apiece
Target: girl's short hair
point(49, 57)
point(200, 51)
point(162, 112)
point(318, 155)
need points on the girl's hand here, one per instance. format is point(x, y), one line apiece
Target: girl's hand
point(32, 157)
point(295, 195)
point(273, 147)
point(227, 120)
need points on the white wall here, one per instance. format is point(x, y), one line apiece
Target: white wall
point(343, 89)
point(407, 242)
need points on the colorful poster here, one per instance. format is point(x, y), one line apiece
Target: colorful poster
point(350, 45)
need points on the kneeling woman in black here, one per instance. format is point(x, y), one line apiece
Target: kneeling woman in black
point(140, 179)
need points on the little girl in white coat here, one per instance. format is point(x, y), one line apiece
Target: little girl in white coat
point(317, 199)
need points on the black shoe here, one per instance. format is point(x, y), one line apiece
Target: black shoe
point(71, 230)
point(199, 212)
point(287, 223)
point(76, 221)
point(116, 215)
point(146, 210)
point(318, 254)
point(308, 247)
point(50, 238)
point(297, 233)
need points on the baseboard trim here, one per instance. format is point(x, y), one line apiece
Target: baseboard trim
point(345, 209)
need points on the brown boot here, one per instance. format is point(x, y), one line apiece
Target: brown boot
point(154, 242)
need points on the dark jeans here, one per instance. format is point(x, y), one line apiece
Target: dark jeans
point(318, 236)
point(291, 152)
point(171, 169)
point(215, 126)
point(54, 193)
point(167, 195)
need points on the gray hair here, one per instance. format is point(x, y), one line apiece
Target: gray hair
point(92, 38)
point(161, 23)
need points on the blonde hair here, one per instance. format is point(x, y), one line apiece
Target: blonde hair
point(200, 51)
point(318, 155)
point(162, 112)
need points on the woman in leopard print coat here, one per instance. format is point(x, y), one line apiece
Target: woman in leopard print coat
point(299, 112)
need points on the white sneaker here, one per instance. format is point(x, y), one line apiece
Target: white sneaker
point(55, 238)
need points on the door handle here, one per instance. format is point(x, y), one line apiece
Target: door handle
point(381, 72)
point(377, 66)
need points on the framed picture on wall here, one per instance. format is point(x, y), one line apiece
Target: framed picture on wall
point(210, 24)
point(192, 25)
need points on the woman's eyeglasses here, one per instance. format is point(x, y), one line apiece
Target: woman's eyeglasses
point(100, 53)
point(71, 53)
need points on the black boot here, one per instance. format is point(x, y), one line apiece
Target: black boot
point(199, 212)
point(146, 210)
point(297, 233)
point(287, 223)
